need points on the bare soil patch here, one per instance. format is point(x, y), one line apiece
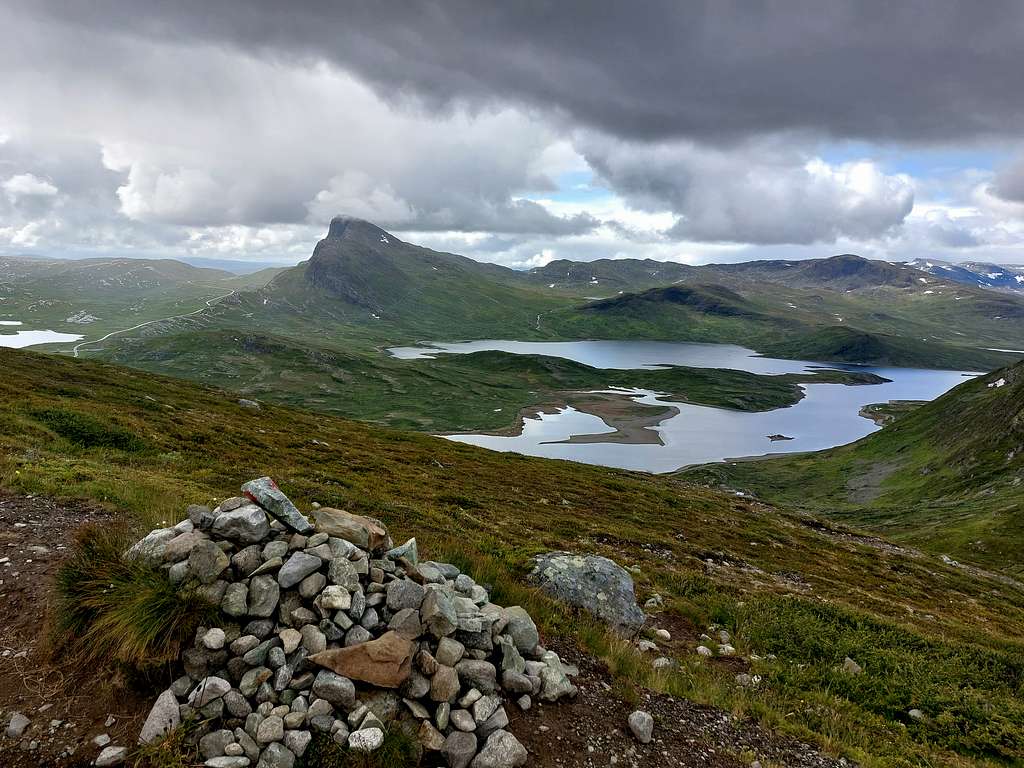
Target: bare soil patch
point(67, 706)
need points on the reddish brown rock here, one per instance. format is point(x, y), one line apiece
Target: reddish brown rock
point(365, 532)
point(385, 662)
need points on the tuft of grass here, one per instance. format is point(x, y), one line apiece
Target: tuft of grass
point(399, 750)
point(125, 611)
point(87, 431)
point(175, 750)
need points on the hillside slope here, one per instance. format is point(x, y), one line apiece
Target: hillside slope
point(929, 635)
point(948, 475)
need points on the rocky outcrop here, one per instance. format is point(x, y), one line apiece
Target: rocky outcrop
point(593, 583)
point(334, 630)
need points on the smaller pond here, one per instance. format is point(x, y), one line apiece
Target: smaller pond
point(21, 339)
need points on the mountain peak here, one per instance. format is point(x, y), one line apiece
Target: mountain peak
point(353, 228)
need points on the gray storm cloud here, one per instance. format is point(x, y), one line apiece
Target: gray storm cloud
point(914, 71)
point(241, 127)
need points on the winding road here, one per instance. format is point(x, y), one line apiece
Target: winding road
point(209, 303)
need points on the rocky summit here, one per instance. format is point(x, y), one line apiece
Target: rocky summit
point(326, 627)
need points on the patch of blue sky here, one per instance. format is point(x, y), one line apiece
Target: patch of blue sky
point(919, 162)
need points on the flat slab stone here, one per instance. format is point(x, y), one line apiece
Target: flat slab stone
point(385, 662)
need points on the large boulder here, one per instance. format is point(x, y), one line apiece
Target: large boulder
point(591, 582)
point(365, 532)
point(385, 662)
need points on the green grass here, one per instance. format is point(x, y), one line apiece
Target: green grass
point(776, 579)
point(398, 751)
point(110, 609)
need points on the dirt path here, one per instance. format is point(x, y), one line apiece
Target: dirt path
point(209, 303)
point(67, 707)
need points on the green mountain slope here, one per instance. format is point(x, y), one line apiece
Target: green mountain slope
point(93, 297)
point(797, 593)
point(948, 475)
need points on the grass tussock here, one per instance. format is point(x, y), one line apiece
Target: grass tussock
point(175, 750)
point(125, 611)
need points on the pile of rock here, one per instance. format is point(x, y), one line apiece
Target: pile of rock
point(327, 627)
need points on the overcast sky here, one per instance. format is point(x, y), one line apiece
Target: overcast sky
point(514, 132)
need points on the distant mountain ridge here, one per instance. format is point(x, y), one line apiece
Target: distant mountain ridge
point(1002, 277)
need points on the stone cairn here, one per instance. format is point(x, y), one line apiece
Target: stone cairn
point(327, 627)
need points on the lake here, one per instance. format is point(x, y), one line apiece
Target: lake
point(20, 339)
point(827, 416)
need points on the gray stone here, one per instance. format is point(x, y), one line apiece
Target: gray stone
point(264, 594)
point(274, 549)
point(237, 705)
point(336, 689)
point(253, 679)
point(236, 600)
point(592, 583)
point(200, 516)
point(357, 635)
point(178, 548)
point(207, 561)
point(312, 585)
point(335, 598)
point(449, 652)
point(416, 687)
point(554, 679)
point(642, 725)
point(258, 655)
point(438, 614)
point(246, 560)
point(297, 741)
point(246, 525)
point(496, 722)
point(484, 707)
point(430, 574)
point(19, 723)
point(214, 638)
point(214, 743)
point(515, 682)
point(111, 756)
point(313, 640)
point(271, 729)
point(228, 761)
point(404, 594)
point(296, 568)
point(265, 492)
point(341, 571)
point(478, 674)
point(409, 551)
point(444, 686)
point(208, 690)
point(151, 548)
point(366, 740)
point(850, 666)
point(458, 749)
point(502, 750)
point(521, 629)
point(511, 660)
point(276, 756)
